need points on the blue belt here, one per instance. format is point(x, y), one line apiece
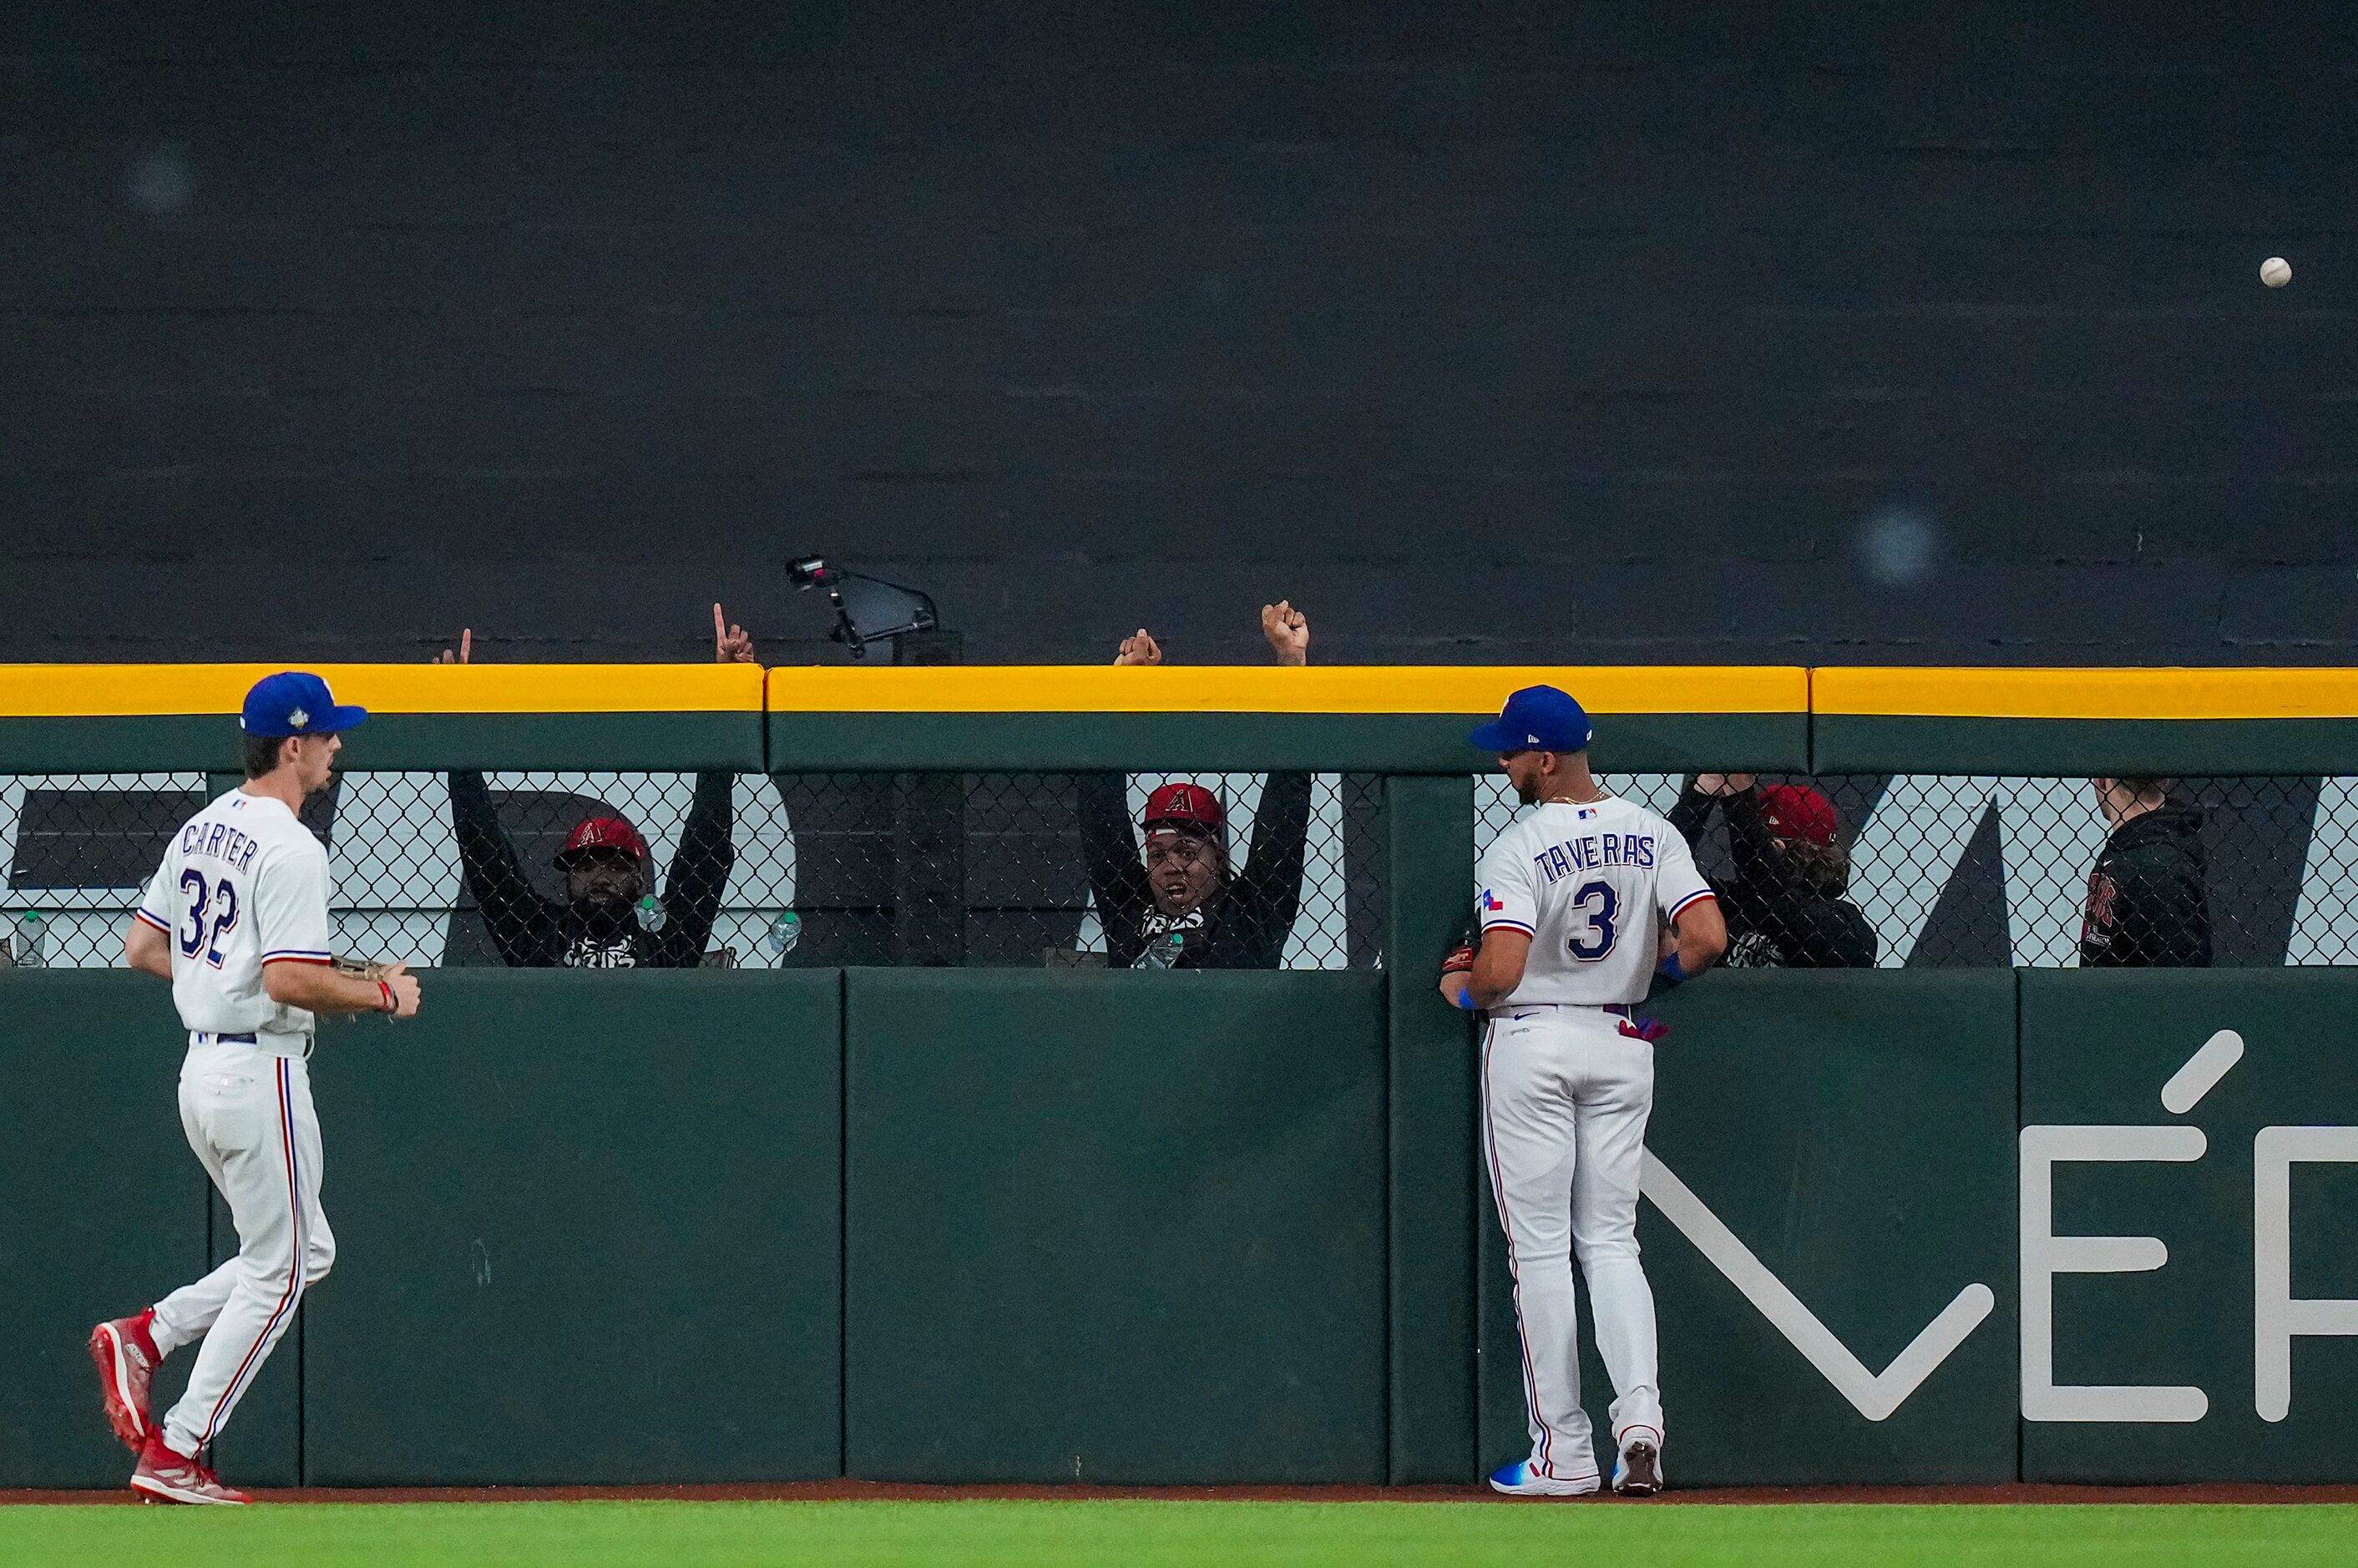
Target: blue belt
point(206, 1038)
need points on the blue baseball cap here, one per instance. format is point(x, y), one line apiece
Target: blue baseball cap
point(1536, 718)
point(295, 702)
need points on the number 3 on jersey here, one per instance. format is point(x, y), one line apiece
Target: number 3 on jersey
point(1596, 900)
point(200, 897)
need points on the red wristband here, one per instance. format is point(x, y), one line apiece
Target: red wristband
point(387, 991)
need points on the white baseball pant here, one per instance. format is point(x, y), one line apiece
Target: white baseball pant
point(249, 1117)
point(1565, 1097)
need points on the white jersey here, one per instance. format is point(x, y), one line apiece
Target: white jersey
point(1592, 886)
point(243, 884)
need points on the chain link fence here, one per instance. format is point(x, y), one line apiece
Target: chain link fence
point(1025, 869)
point(612, 870)
point(1947, 871)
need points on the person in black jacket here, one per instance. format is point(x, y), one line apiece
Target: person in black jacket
point(1786, 904)
point(607, 873)
point(1186, 906)
point(2148, 905)
point(608, 869)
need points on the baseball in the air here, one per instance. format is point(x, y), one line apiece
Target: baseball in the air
point(2276, 272)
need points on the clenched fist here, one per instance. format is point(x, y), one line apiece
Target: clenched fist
point(1288, 630)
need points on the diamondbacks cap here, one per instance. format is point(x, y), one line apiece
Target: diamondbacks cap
point(295, 702)
point(1185, 806)
point(1797, 811)
point(602, 833)
point(1536, 718)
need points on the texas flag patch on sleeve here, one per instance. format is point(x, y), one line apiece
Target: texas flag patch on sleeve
point(1490, 904)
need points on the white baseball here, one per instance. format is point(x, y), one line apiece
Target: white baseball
point(2276, 272)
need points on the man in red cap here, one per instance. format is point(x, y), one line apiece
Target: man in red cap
point(1786, 906)
point(608, 871)
point(1185, 904)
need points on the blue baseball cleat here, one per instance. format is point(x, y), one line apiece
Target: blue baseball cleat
point(1523, 1479)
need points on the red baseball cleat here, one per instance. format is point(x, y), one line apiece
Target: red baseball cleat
point(164, 1476)
point(124, 1353)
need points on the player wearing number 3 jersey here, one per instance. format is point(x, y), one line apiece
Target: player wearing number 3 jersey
point(1572, 903)
point(236, 918)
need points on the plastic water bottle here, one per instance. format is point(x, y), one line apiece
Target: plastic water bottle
point(32, 940)
point(1163, 953)
point(652, 916)
point(784, 931)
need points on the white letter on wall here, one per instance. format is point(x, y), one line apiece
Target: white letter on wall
point(2275, 1315)
point(2046, 1255)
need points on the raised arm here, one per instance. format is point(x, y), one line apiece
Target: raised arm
point(1109, 855)
point(1759, 869)
point(699, 871)
point(1269, 887)
point(522, 924)
point(1692, 815)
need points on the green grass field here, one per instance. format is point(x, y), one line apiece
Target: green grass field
point(1151, 1534)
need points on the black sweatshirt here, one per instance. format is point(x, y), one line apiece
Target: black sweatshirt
point(2148, 904)
point(535, 933)
point(1243, 925)
point(1774, 920)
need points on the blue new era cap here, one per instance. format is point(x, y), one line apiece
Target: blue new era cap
point(1536, 718)
point(295, 702)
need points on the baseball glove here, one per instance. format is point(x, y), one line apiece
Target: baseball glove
point(1461, 958)
point(365, 969)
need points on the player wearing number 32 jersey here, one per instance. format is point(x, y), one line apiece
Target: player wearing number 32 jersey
point(1572, 903)
point(236, 918)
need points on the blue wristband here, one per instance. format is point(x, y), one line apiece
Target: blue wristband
point(1465, 999)
point(1670, 966)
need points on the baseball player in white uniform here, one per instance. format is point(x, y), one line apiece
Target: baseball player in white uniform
point(1580, 902)
point(236, 918)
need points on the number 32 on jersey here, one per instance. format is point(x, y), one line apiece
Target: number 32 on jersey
point(195, 934)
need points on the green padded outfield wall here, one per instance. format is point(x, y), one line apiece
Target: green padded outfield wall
point(1114, 1226)
point(587, 1228)
point(2083, 722)
point(1334, 718)
point(1852, 1134)
point(1435, 1213)
point(2204, 1164)
point(102, 1206)
point(1136, 1225)
point(58, 718)
point(264, 1445)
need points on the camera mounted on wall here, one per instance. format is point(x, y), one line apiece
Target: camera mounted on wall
point(868, 609)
